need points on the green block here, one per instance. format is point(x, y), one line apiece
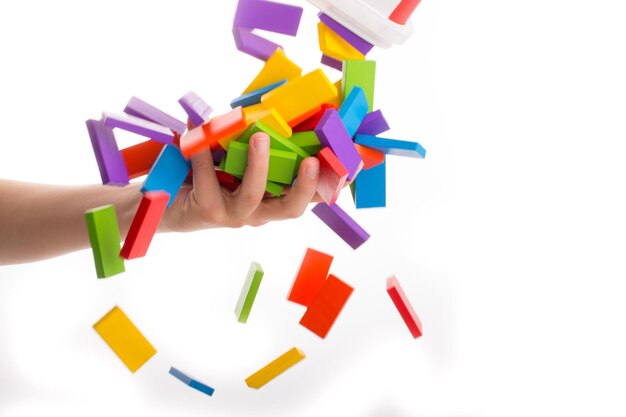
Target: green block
point(277, 141)
point(307, 141)
point(282, 163)
point(361, 74)
point(274, 189)
point(104, 235)
point(248, 292)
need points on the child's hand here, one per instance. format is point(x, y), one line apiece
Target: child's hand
point(205, 204)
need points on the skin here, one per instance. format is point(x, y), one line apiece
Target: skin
point(40, 221)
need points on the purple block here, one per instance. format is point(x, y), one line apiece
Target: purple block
point(268, 15)
point(111, 164)
point(218, 156)
point(331, 132)
point(139, 126)
point(359, 43)
point(342, 224)
point(251, 44)
point(373, 124)
point(139, 108)
point(196, 108)
point(332, 62)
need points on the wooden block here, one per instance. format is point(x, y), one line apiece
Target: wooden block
point(281, 168)
point(356, 41)
point(304, 116)
point(110, 162)
point(193, 383)
point(275, 368)
point(370, 187)
point(168, 173)
point(196, 108)
point(277, 67)
point(124, 339)
point(334, 46)
point(332, 176)
point(353, 110)
point(277, 141)
point(332, 62)
point(268, 15)
point(145, 224)
point(139, 126)
point(307, 141)
point(140, 158)
point(139, 108)
point(373, 124)
point(275, 121)
point(371, 157)
point(404, 307)
point(359, 73)
point(310, 278)
point(311, 122)
point(392, 146)
point(342, 224)
point(219, 131)
point(104, 236)
point(254, 45)
point(339, 99)
point(326, 306)
point(248, 292)
point(332, 132)
point(403, 11)
point(254, 97)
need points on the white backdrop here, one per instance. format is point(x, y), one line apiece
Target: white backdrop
point(508, 238)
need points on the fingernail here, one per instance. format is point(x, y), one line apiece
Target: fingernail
point(261, 143)
point(313, 169)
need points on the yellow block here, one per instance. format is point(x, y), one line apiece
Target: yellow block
point(335, 46)
point(277, 68)
point(124, 339)
point(274, 120)
point(275, 368)
point(301, 96)
point(337, 101)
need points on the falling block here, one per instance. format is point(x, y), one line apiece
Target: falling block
point(392, 146)
point(281, 165)
point(334, 46)
point(332, 132)
point(168, 173)
point(300, 96)
point(113, 170)
point(196, 108)
point(277, 67)
point(373, 124)
point(254, 45)
point(370, 187)
point(310, 278)
point(139, 126)
point(145, 224)
point(342, 224)
point(254, 97)
point(356, 41)
point(268, 15)
point(116, 329)
point(332, 62)
point(248, 292)
point(140, 158)
point(353, 110)
point(197, 385)
point(219, 131)
point(139, 108)
point(371, 157)
point(277, 141)
point(359, 73)
point(311, 122)
point(323, 311)
point(403, 11)
point(404, 307)
point(332, 176)
point(307, 141)
point(275, 368)
point(104, 236)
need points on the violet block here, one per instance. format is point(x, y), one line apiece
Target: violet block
point(353, 110)
point(359, 43)
point(139, 126)
point(332, 62)
point(342, 224)
point(373, 124)
point(254, 97)
point(268, 15)
point(139, 108)
point(251, 44)
point(196, 108)
point(331, 132)
point(111, 164)
point(392, 146)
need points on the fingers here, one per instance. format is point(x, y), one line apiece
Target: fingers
point(205, 184)
point(250, 193)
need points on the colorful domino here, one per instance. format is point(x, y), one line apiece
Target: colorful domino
point(324, 309)
point(275, 368)
point(310, 278)
point(104, 236)
point(140, 158)
point(373, 124)
point(139, 108)
point(332, 177)
point(370, 187)
point(342, 224)
point(145, 224)
point(332, 133)
point(282, 164)
point(248, 292)
point(138, 126)
point(404, 307)
point(392, 146)
point(353, 110)
point(113, 170)
point(168, 173)
point(196, 108)
point(197, 385)
point(360, 73)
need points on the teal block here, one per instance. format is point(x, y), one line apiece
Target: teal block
point(104, 236)
point(370, 187)
point(249, 292)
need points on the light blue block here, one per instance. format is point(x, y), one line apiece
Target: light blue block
point(370, 187)
point(197, 385)
point(353, 110)
point(168, 172)
point(254, 97)
point(392, 146)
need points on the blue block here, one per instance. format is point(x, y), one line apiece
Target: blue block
point(353, 110)
point(254, 97)
point(370, 187)
point(392, 146)
point(191, 382)
point(168, 172)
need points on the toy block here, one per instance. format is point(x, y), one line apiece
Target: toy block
point(196, 140)
point(301, 95)
point(403, 11)
point(197, 385)
point(334, 46)
point(123, 337)
point(339, 98)
point(271, 188)
point(248, 292)
point(254, 97)
point(196, 108)
point(324, 309)
point(341, 223)
point(282, 164)
point(370, 187)
point(277, 141)
point(145, 224)
point(104, 236)
point(311, 122)
point(332, 62)
point(359, 73)
point(139, 108)
point(140, 158)
point(268, 15)
point(371, 157)
point(332, 132)
point(168, 173)
point(307, 141)
point(353, 110)
point(304, 116)
point(254, 45)
point(111, 165)
point(392, 146)
point(219, 131)
point(275, 368)
point(332, 176)
point(356, 41)
point(275, 121)
point(139, 126)
point(277, 67)
point(310, 278)
point(373, 124)
point(404, 307)
point(230, 182)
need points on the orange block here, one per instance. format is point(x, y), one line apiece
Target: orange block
point(333, 175)
point(218, 131)
point(371, 157)
point(311, 276)
point(326, 306)
point(303, 117)
point(140, 158)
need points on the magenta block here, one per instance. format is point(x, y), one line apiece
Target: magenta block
point(196, 108)
point(110, 161)
point(268, 15)
point(331, 132)
point(139, 126)
point(359, 43)
point(373, 124)
point(332, 62)
point(139, 108)
point(342, 224)
point(251, 44)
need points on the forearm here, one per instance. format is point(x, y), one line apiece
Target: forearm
point(40, 221)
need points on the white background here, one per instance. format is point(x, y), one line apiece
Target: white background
point(509, 238)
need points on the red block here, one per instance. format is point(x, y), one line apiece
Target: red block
point(326, 306)
point(215, 133)
point(403, 11)
point(371, 157)
point(333, 175)
point(404, 307)
point(145, 224)
point(311, 276)
point(230, 182)
point(311, 122)
point(295, 122)
point(140, 158)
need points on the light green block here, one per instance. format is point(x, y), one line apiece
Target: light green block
point(282, 164)
point(248, 292)
point(274, 189)
point(104, 235)
point(277, 141)
point(361, 74)
point(307, 141)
